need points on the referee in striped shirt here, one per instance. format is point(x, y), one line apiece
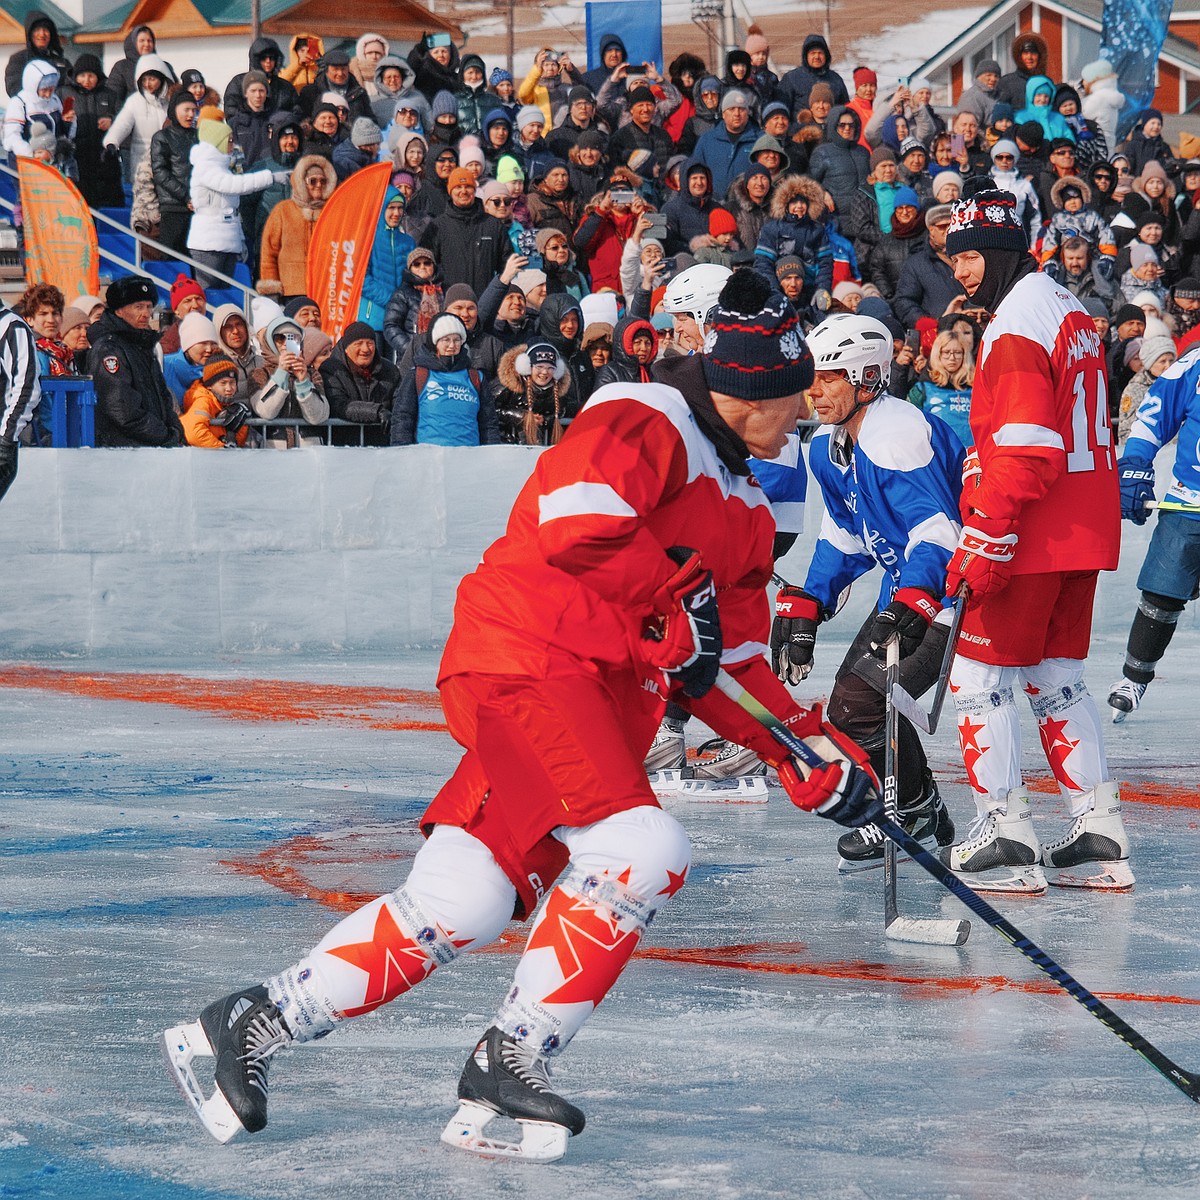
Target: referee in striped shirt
point(20, 389)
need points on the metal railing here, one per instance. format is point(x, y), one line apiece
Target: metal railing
point(140, 240)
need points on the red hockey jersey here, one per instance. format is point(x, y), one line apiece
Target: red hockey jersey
point(1039, 416)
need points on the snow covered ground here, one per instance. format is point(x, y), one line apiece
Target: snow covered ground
point(172, 829)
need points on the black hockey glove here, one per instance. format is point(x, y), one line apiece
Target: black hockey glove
point(232, 417)
point(794, 633)
point(8, 466)
point(686, 639)
point(909, 615)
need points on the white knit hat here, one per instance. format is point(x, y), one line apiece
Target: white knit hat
point(194, 329)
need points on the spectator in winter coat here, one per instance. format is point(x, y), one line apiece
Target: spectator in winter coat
point(469, 245)
point(687, 213)
point(554, 246)
point(213, 418)
point(612, 55)
point(707, 102)
point(943, 388)
point(197, 344)
point(359, 150)
point(393, 87)
point(122, 79)
point(634, 349)
point(1090, 144)
point(265, 59)
point(725, 149)
point(1077, 268)
point(1039, 95)
point(1030, 57)
point(360, 386)
point(237, 344)
point(387, 263)
point(369, 51)
point(304, 61)
point(586, 165)
point(793, 231)
point(170, 163)
point(1103, 100)
point(749, 199)
point(435, 60)
point(1004, 171)
point(1146, 141)
point(927, 284)
point(534, 395)
point(840, 164)
point(215, 237)
point(133, 403)
point(414, 303)
point(42, 43)
point(286, 134)
point(142, 115)
point(579, 118)
point(981, 96)
point(552, 203)
point(548, 83)
point(287, 234)
point(473, 98)
point(814, 68)
point(335, 77)
point(600, 238)
point(905, 238)
point(442, 401)
point(640, 119)
point(287, 387)
point(1073, 217)
point(251, 120)
point(34, 120)
point(99, 178)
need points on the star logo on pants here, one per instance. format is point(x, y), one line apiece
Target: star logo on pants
point(392, 960)
point(972, 751)
point(1058, 749)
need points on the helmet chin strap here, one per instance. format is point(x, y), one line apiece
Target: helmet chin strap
point(859, 404)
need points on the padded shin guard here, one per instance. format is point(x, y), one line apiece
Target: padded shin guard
point(989, 730)
point(1150, 635)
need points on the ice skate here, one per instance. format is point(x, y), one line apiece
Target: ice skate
point(241, 1032)
point(667, 755)
point(928, 820)
point(1001, 852)
point(1123, 698)
point(504, 1077)
point(1094, 852)
point(731, 761)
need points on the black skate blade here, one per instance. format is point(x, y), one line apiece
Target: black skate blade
point(541, 1141)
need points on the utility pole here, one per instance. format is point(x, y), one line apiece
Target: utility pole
point(512, 33)
point(255, 19)
point(730, 35)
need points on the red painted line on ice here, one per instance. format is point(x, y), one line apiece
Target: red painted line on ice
point(289, 866)
point(244, 699)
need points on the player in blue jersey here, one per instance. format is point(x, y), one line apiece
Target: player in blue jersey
point(690, 297)
point(1170, 574)
point(890, 476)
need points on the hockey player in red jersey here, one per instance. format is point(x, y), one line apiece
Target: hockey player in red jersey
point(1040, 520)
point(633, 567)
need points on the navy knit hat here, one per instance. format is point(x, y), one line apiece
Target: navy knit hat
point(444, 105)
point(755, 350)
point(293, 306)
point(129, 289)
point(987, 221)
point(499, 75)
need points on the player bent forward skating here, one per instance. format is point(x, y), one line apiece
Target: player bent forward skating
point(890, 476)
point(1040, 520)
point(634, 564)
point(1170, 574)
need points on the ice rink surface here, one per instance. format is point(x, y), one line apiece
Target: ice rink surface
point(172, 830)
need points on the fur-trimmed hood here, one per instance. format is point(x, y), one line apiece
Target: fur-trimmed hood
point(788, 188)
point(1070, 181)
point(506, 372)
point(300, 192)
point(1043, 52)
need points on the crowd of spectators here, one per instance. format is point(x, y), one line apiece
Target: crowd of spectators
point(531, 225)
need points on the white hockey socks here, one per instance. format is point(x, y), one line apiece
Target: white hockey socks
point(989, 730)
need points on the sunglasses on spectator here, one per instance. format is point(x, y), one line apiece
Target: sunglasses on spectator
point(1005, 158)
point(502, 201)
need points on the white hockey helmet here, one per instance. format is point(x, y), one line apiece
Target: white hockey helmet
point(859, 346)
point(695, 290)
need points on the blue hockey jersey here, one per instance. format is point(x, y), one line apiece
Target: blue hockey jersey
point(1171, 407)
point(784, 481)
point(891, 499)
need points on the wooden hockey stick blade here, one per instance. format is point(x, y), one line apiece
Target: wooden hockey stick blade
point(1173, 506)
point(1188, 1082)
point(928, 931)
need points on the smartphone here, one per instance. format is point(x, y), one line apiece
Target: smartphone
point(958, 145)
point(904, 80)
point(622, 195)
point(658, 226)
point(292, 343)
point(912, 339)
point(527, 242)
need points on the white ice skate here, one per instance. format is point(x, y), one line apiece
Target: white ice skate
point(1123, 698)
point(1094, 852)
point(241, 1032)
point(667, 752)
point(1001, 853)
point(504, 1077)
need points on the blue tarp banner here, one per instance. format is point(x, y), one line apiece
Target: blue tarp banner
point(1131, 39)
point(638, 23)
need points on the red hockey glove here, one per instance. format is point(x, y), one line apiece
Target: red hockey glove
point(909, 615)
point(983, 559)
point(794, 633)
point(686, 638)
point(844, 790)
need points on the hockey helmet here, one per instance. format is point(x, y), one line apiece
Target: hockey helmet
point(695, 291)
point(859, 346)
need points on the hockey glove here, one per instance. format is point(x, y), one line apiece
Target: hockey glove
point(1136, 477)
point(843, 790)
point(983, 558)
point(8, 466)
point(794, 634)
point(909, 616)
point(686, 639)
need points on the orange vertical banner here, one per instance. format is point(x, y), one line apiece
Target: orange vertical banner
point(60, 235)
point(341, 244)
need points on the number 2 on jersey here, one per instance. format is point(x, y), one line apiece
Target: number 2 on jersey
point(1084, 424)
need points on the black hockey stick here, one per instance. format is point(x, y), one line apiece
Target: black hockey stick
point(1188, 1082)
point(926, 931)
point(907, 704)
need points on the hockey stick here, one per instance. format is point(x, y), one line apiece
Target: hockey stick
point(1173, 506)
point(926, 931)
point(1188, 1082)
point(905, 701)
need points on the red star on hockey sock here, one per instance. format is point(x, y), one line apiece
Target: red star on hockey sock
point(1058, 749)
point(674, 883)
point(591, 949)
point(392, 960)
point(972, 751)
point(1030, 690)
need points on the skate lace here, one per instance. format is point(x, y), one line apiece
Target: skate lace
point(980, 827)
point(264, 1035)
point(529, 1068)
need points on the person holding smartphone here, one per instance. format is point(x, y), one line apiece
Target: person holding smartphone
point(286, 388)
